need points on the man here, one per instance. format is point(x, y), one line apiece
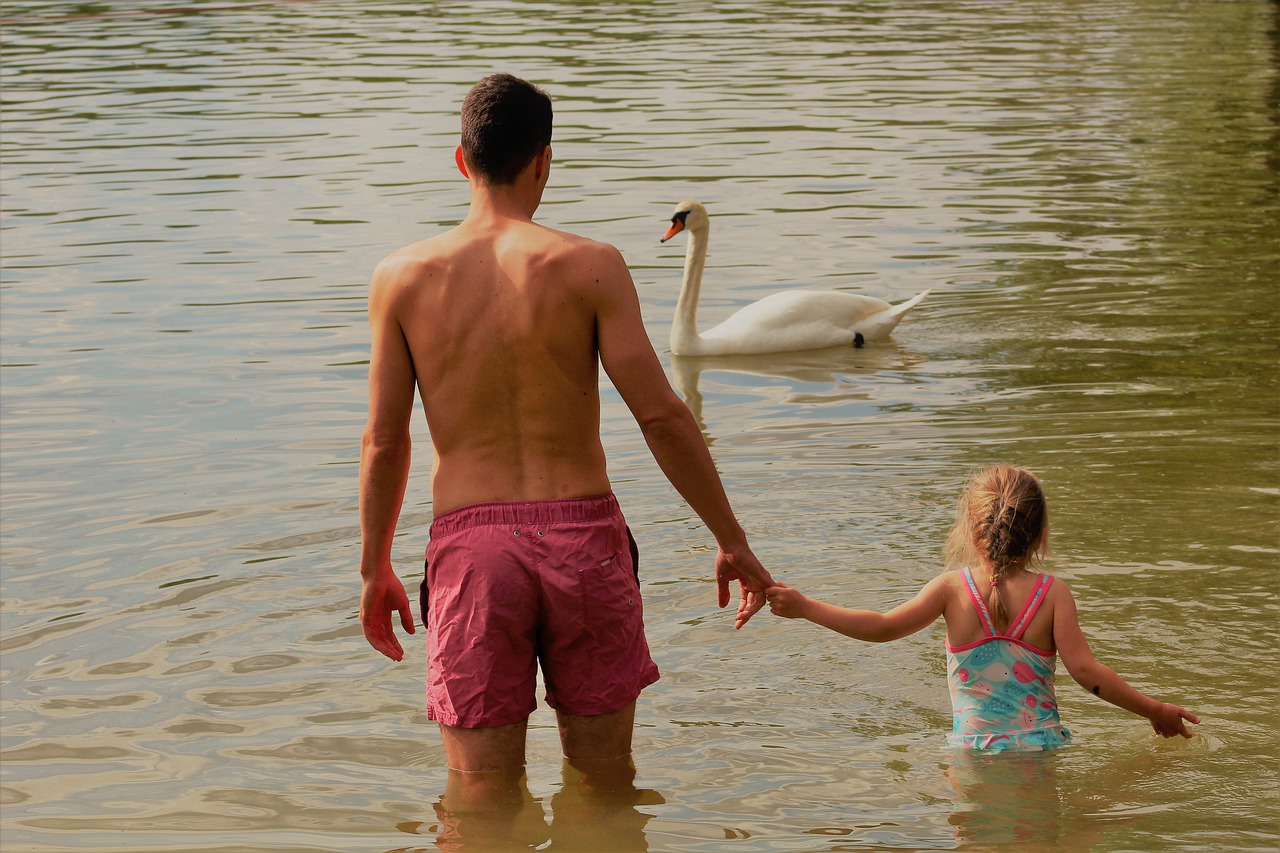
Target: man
point(502, 322)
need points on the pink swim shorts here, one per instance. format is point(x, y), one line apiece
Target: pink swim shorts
point(510, 585)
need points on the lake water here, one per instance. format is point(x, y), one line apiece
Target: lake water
point(194, 197)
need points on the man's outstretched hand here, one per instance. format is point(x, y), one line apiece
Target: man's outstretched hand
point(382, 595)
point(752, 577)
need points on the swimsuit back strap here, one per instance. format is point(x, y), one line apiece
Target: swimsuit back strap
point(1031, 607)
point(979, 605)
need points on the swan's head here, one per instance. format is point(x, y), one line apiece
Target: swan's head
point(688, 215)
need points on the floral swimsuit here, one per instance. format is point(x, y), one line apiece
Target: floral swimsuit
point(1001, 688)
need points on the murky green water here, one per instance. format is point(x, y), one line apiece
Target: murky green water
point(194, 196)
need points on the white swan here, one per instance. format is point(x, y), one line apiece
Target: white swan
point(782, 322)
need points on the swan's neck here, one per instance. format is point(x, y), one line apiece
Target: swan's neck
point(684, 326)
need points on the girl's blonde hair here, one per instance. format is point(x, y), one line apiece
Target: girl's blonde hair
point(1003, 522)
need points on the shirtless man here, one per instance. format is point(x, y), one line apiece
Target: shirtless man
point(501, 323)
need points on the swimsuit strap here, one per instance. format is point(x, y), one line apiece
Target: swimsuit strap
point(979, 604)
point(1029, 609)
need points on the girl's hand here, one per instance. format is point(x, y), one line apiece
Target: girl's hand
point(785, 601)
point(1168, 720)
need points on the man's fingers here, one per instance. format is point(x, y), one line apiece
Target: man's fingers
point(392, 650)
point(382, 636)
point(750, 605)
point(722, 583)
point(745, 616)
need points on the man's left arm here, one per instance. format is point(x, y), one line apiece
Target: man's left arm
point(384, 467)
point(671, 432)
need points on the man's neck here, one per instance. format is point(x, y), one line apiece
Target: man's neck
point(517, 200)
point(493, 204)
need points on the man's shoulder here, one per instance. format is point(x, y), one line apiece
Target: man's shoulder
point(423, 251)
point(413, 262)
point(577, 244)
point(575, 256)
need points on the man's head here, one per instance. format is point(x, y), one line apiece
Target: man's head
point(506, 122)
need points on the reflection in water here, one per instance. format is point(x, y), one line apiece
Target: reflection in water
point(817, 367)
point(489, 811)
point(595, 811)
point(600, 811)
point(1056, 799)
point(1010, 798)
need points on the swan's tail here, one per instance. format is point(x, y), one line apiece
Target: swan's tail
point(903, 307)
point(877, 327)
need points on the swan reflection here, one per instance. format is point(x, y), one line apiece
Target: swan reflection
point(834, 366)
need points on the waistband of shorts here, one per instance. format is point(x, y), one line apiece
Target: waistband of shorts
point(593, 508)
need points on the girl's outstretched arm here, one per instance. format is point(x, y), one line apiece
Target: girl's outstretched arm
point(1101, 680)
point(906, 618)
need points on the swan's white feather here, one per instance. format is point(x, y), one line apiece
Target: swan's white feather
point(781, 322)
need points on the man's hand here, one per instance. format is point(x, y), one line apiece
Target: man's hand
point(382, 595)
point(752, 578)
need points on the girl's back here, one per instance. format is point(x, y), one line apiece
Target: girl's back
point(1001, 680)
point(964, 625)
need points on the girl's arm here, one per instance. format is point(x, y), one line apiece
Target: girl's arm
point(907, 618)
point(1102, 681)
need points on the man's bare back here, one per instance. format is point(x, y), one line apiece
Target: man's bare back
point(500, 320)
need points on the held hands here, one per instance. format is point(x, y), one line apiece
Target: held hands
point(785, 601)
point(752, 577)
point(382, 595)
point(1167, 720)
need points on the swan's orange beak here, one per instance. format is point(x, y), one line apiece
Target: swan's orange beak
point(676, 227)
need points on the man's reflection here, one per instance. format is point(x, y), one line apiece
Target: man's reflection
point(595, 811)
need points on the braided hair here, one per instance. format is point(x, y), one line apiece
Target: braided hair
point(1001, 522)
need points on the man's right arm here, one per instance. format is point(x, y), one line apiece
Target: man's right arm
point(670, 430)
point(384, 464)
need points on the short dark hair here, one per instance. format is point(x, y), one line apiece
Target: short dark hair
point(506, 122)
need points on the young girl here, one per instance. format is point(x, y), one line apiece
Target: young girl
point(1004, 624)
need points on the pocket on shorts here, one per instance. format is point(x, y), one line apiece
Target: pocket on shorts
point(609, 590)
point(423, 595)
point(634, 549)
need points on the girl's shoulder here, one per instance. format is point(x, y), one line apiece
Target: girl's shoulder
point(954, 576)
point(1058, 591)
point(951, 582)
point(1057, 585)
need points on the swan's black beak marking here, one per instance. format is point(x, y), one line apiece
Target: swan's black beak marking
point(677, 225)
point(858, 340)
